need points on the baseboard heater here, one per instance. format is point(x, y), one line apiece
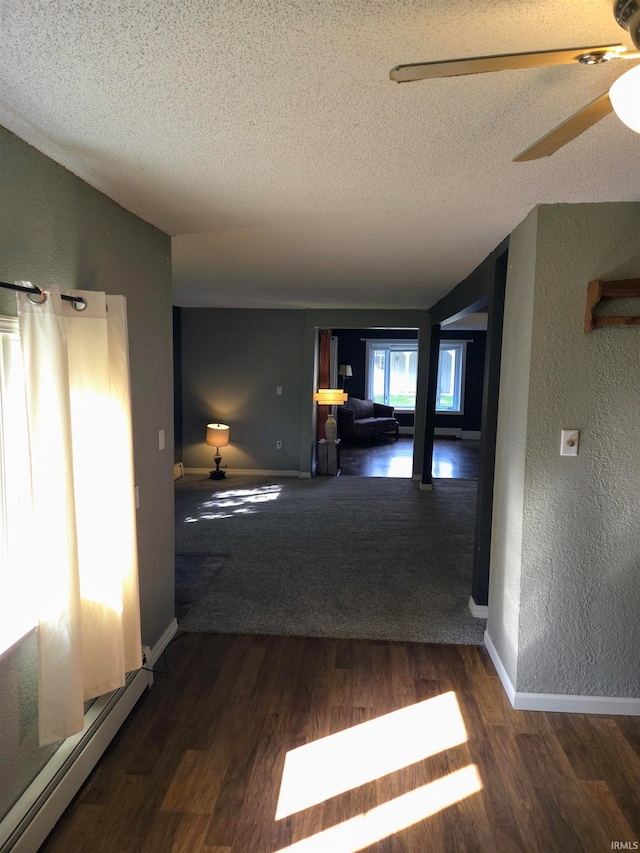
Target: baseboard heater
point(37, 811)
point(31, 819)
point(452, 432)
point(448, 432)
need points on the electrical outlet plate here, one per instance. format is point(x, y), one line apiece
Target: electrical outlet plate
point(569, 442)
point(278, 445)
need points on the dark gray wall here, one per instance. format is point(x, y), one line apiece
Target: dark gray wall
point(471, 418)
point(55, 229)
point(177, 385)
point(234, 359)
point(232, 362)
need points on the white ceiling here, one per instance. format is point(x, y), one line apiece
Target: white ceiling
point(266, 136)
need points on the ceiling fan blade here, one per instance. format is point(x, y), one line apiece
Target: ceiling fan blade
point(504, 62)
point(568, 130)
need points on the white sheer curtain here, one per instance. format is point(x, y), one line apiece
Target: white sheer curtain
point(83, 532)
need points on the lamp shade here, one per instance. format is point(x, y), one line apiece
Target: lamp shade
point(625, 98)
point(217, 435)
point(330, 396)
point(345, 370)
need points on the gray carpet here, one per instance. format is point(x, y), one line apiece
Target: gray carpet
point(327, 557)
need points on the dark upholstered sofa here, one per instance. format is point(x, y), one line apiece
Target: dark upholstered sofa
point(364, 417)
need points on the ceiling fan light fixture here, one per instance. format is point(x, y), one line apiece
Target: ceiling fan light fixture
point(625, 98)
point(627, 14)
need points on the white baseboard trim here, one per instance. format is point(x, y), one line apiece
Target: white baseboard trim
point(260, 472)
point(426, 487)
point(609, 705)
point(455, 432)
point(561, 702)
point(167, 635)
point(416, 477)
point(509, 689)
point(405, 430)
point(178, 470)
point(480, 611)
point(31, 819)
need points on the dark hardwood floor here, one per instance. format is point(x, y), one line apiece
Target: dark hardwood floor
point(382, 456)
point(455, 458)
point(378, 456)
point(397, 748)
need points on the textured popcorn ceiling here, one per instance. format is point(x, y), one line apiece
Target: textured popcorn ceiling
point(267, 137)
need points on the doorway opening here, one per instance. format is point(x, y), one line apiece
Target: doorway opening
point(459, 394)
point(378, 370)
point(483, 290)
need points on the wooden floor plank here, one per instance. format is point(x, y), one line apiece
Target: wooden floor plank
point(199, 762)
point(74, 828)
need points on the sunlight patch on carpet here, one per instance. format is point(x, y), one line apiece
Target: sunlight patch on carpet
point(228, 499)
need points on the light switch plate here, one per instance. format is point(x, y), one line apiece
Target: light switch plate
point(569, 442)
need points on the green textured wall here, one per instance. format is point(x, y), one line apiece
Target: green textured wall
point(56, 229)
point(564, 588)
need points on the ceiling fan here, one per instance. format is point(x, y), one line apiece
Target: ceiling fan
point(623, 97)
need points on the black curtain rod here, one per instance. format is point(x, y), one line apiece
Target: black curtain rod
point(39, 292)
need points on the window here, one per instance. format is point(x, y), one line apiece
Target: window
point(17, 617)
point(392, 370)
point(450, 392)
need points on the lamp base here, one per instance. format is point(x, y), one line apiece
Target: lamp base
point(330, 428)
point(217, 474)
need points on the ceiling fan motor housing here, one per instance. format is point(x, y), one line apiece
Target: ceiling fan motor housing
point(627, 14)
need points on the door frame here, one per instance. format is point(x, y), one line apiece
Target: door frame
point(483, 288)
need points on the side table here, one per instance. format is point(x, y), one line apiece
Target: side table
point(328, 463)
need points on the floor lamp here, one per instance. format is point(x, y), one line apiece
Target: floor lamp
point(344, 371)
point(330, 397)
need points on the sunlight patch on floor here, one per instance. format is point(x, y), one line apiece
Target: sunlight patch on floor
point(443, 470)
point(230, 502)
point(398, 814)
point(327, 767)
point(400, 467)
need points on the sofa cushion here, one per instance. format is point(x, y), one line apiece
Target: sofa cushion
point(361, 408)
point(377, 424)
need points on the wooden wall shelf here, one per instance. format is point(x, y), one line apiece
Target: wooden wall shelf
point(625, 288)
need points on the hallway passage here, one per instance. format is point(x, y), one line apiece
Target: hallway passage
point(288, 744)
